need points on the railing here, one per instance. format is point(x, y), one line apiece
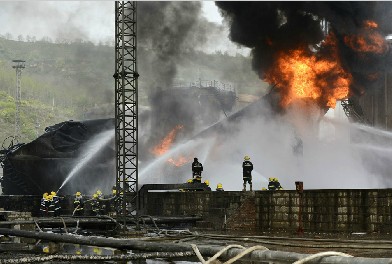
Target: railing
point(206, 84)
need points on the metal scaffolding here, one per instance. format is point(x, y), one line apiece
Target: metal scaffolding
point(126, 107)
point(18, 66)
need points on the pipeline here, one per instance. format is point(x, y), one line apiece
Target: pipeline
point(206, 250)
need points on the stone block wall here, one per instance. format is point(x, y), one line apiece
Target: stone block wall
point(326, 211)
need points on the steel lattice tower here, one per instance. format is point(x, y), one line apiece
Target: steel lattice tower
point(126, 107)
point(18, 66)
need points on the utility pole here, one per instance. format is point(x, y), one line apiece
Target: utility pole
point(18, 66)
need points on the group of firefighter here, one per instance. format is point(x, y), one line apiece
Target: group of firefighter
point(50, 203)
point(247, 168)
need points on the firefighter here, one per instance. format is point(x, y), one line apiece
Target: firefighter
point(277, 184)
point(96, 204)
point(44, 205)
point(117, 200)
point(219, 187)
point(51, 207)
point(197, 168)
point(247, 168)
point(56, 202)
point(78, 204)
point(271, 184)
point(99, 193)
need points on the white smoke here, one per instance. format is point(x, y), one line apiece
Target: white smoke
point(330, 159)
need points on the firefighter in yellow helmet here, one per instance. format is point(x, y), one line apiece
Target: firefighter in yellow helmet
point(207, 182)
point(44, 206)
point(56, 203)
point(219, 187)
point(78, 204)
point(99, 193)
point(117, 200)
point(277, 184)
point(247, 167)
point(197, 168)
point(51, 207)
point(96, 204)
point(271, 184)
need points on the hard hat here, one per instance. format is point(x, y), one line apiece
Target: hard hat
point(49, 197)
point(189, 181)
point(97, 251)
point(78, 193)
point(45, 195)
point(45, 249)
point(114, 191)
point(195, 159)
point(99, 192)
point(219, 186)
point(270, 179)
point(276, 179)
point(207, 182)
point(95, 195)
point(263, 189)
point(246, 157)
point(53, 193)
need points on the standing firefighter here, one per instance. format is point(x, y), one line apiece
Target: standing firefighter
point(96, 204)
point(197, 168)
point(56, 202)
point(247, 168)
point(78, 204)
point(117, 200)
point(44, 205)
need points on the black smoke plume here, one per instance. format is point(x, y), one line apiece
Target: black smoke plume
point(167, 30)
point(270, 27)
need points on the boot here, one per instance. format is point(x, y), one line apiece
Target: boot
point(250, 187)
point(244, 188)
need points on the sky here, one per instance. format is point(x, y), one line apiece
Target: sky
point(85, 20)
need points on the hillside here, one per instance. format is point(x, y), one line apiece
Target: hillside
point(74, 81)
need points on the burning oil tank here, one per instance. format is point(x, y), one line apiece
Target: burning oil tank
point(43, 164)
point(192, 107)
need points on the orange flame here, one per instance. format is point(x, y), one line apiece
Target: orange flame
point(368, 40)
point(179, 162)
point(370, 24)
point(166, 143)
point(300, 74)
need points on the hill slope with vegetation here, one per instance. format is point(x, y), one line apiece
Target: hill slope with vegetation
point(65, 81)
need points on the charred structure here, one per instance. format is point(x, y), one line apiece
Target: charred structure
point(43, 164)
